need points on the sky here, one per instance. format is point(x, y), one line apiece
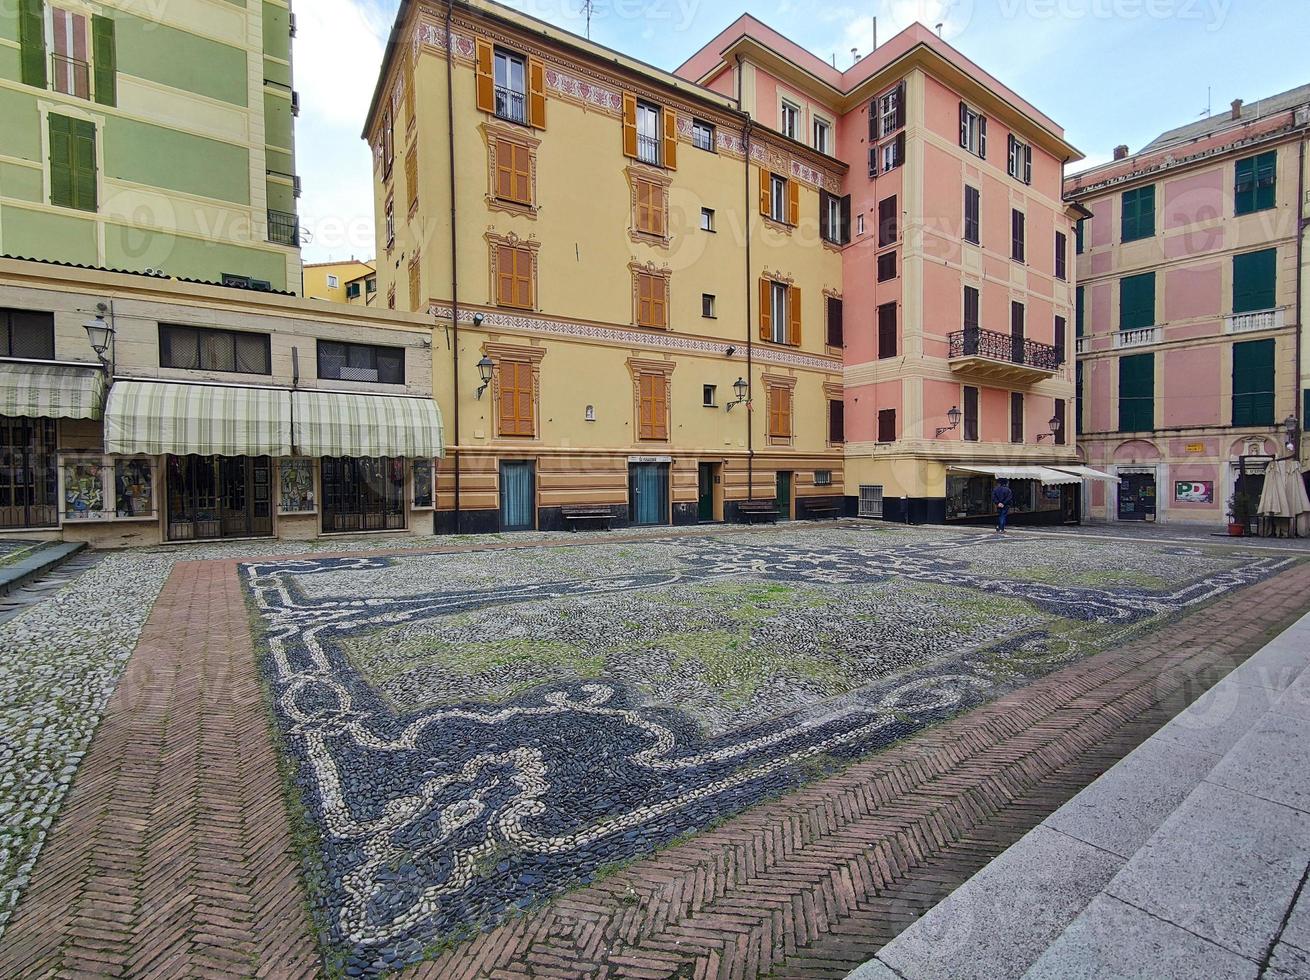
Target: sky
point(1109, 71)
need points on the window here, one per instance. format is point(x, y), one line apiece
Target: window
point(823, 136)
point(778, 198)
point(823, 478)
point(973, 131)
point(1078, 396)
point(1020, 165)
point(871, 501)
point(388, 145)
point(1080, 233)
point(891, 111)
point(707, 306)
point(361, 362)
point(702, 135)
point(779, 312)
point(1061, 433)
point(887, 230)
point(970, 414)
point(513, 172)
point(1018, 246)
point(1061, 341)
point(517, 401)
point(391, 223)
point(73, 182)
point(779, 412)
point(29, 335)
point(836, 421)
point(887, 331)
point(972, 299)
point(789, 121)
point(514, 277)
point(648, 134)
point(511, 87)
point(411, 178)
point(709, 395)
point(1253, 383)
point(352, 290)
point(415, 283)
point(886, 266)
point(1016, 417)
point(653, 410)
point(204, 349)
point(1255, 281)
point(1257, 183)
point(1080, 308)
point(1018, 333)
point(834, 218)
point(1061, 256)
point(652, 301)
point(1137, 302)
point(972, 215)
point(859, 224)
point(706, 219)
point(888, 156)
point(650, 209)
point(333, 282)
point(836, 331)
point(887, 425)
point(1138, 214)
point(1137, 393)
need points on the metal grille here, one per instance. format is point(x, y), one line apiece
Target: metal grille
point(212, 497)
point(363, 495)
point(870, 501)
point(29, 481)
point(995, 346)
point(27, 335)
point(510, 104)
point(283, 228)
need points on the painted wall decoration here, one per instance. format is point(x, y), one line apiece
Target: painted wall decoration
point(134, 488)
point(84, 489)
point(1194, 492)
point(297, 481)
point(422, 483)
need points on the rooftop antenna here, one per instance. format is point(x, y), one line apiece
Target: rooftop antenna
point(940, 25)
point(855, 55)
point(875, 34)
point(1209, 101)
point(587, 7)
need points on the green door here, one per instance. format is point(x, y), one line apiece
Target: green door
point(706, 512)
point(784, 496)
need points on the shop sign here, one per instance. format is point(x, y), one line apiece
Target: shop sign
point(1196, 448)
point(1194, 492)
point(650, 459)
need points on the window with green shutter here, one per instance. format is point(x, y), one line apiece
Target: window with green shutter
point(1257, 182)
point(1080, 306)
point(31, 38)
point(1137, 302)
point(1137, 393)
point(1253, 383)
point(1255, 281)
point(1138, 213)
point(72, 163)
point(106, 60)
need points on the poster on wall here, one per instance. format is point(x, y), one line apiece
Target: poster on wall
point(296, 477)
point(134, 488)
point(84, 489)
point(422, 483)
point(1194, 492)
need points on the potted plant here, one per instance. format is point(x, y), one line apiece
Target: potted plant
point(1241, 512)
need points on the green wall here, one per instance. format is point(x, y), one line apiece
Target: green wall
point(278, 121)
point(190, 258)
point(181, 60)
point(178, 161)
point(23, 183)
point(9, 20)
point(277, 32)
point(43, 235)
point(11, 63)
point(281, 197)
point(21, 124)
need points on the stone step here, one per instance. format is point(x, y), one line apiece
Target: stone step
point(29, 565)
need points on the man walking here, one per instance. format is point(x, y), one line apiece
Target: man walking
point(1003, 498)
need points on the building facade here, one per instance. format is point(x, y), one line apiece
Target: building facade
point(341, 282)
point(1191, 311)
point(151, 139)
point(137, 410)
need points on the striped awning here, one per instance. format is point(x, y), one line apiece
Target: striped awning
point(156, 417)
point(334, 423)
point(51, 391)
point(1047, 477)
point(1087, 473)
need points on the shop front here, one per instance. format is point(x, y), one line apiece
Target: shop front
point(1042, 495)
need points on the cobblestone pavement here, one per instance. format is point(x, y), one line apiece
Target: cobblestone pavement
point(1200, 534)
point(174, 850)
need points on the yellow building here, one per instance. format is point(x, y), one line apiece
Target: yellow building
point(633, 297)
point(332, 281)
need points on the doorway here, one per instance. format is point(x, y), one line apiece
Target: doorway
point(215, 497)
point(363, 494)
point(648, 493)
point(29, 481)
point(785, 481)
point(708, 499)
point(518, 495)
point(1137, 497)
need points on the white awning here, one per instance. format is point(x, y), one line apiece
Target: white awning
point(1087, 473)
point(338, 423)
point(51, 391)
point(1047, 477)
point(157, 417)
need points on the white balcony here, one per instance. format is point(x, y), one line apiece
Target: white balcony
point(1083, 344)
point(1144, 337)
point(1251, 322)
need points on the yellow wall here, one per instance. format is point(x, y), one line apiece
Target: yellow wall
point(317, 275)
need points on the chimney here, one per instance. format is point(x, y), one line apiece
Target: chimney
point(1121, 152)
point(1237, 108)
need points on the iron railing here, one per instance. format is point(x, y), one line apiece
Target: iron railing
point(648, 149)
point(71, 76)
point(283, 228)
point(510, 105)
point(976, 342)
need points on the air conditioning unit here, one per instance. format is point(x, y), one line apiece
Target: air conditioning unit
point(237, 282)
point(871, 501)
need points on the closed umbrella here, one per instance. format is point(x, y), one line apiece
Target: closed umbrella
point(1285, 495)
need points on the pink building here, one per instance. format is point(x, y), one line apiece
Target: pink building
point(1189, 308)
point(956, 307)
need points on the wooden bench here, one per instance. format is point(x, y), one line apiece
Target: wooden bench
point(753, 511)
point(587, 515)
point(818, 512)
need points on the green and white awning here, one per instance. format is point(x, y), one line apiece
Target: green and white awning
point(157, 417)
point(51, 391)
point(349, 424)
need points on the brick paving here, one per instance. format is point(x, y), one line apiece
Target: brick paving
point(172, 855)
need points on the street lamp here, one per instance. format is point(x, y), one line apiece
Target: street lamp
point(1056, 425)
point(485, 368)
point(1292, 429)
point(954, 415)
point(100, 333)
point(740, 387)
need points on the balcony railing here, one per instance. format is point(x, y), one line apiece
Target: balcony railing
point(1083, 344)
point(283, 228)
point(70, 76)
point(648, 150)
point(1144, 337)
point(510, 105)
point(1251, 322)
point(1001, 347)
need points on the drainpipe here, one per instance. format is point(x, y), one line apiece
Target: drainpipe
point(750, 296)
point(454, 252)
point(1298, 397)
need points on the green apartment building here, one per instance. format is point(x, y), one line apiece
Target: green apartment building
point(152, 135)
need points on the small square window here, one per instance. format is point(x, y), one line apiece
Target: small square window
point(333, 282)
point(702, 135)
point(822, 136)
point(778, 198)
point(709, 395)
point(886, 266)
point(790, 120)
point(823, 478)
point(706, 219)
point(707, 306)
point(859, 224)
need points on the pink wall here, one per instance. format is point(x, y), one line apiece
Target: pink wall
point(1193, 291)
point(1195, 473)
point(863, 403)
point(939, 397)
point(1099, 414)
point(1038, 411)
point(1197, 197)
point(994, 415)
point(1191, 387)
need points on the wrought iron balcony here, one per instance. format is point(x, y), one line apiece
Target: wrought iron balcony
point(283, 228)
point(1001, 357)
point(648, 150)
point(510, 105)
point(70, 76)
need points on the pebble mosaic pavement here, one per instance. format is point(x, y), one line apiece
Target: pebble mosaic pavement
point(474, 734)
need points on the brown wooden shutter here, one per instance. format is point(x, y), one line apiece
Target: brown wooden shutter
point(793, 203)
point(659, 302)
point(629, 126)
point(504, 275)
point(794, 316)
point(509, 398)
point(409, 90)
point(670, 139)
point(786, 412)
point(522, 174)
point(523, 277)
point(766, 311)
point(645, 408)
point(411, 176)
point(486, 78)
point(525, 409)
point(766, 196)
point(659, 406)
point(536, 94)
point(505, 165)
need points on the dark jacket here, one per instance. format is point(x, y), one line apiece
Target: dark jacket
point(1003, 496)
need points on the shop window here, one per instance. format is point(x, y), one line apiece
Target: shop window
point(339, 361)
